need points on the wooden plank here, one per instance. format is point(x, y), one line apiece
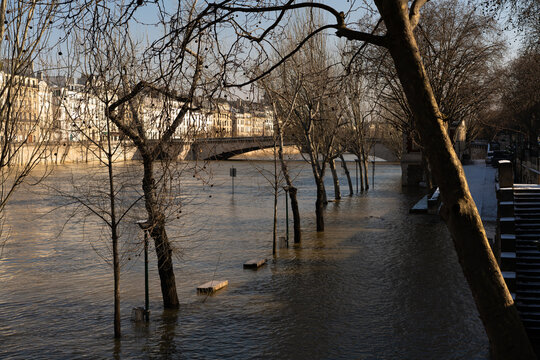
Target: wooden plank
point(212, 286)
point(254, 263)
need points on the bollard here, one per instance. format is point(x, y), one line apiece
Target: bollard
point(506, 174)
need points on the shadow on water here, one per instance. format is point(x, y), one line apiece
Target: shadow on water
point(167, 329)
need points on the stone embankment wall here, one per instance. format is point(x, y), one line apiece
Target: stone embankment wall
point(68, 153)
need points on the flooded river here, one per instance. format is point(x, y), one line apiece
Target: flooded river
point(377, 284)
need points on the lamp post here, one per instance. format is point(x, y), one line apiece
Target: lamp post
point(286, 188)
point(145, 226)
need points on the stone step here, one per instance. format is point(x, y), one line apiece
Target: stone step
point(526, 197)
point(507, 225)
point(508, 261)
point(528, 235)
point(529, 308)
point(521, 203)
point(527, 259)
point(528, 300)
point(508, 242)
point(506, 208)
point(526, 292)
point(524, 211)
point(510, 280)
point(532, 326)
point(529, 217)
point(520, 265)
point(529, 272)
point(527, 223)
point(525, 187)
point(535, 285)
point(520, 247)
point(529, 192)
point(529, 314)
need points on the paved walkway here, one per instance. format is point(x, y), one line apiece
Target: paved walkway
point(481, 179)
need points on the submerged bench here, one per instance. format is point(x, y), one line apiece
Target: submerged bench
point(254, 263)
point(212, 286)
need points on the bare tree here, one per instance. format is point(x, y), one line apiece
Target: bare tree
point(495, 305)
point(521, 96)
point(400, 18)
point(154, 92)
point(314, 122)
point(360, 112)
point(283, 104)
point(107, 206)
point(24, 99)
point(461, 52)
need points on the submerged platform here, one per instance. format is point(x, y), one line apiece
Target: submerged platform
point(212, 286)
point(254, 263)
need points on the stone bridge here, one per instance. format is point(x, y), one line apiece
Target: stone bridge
point(225, 148)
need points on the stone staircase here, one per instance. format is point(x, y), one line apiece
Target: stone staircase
point(519, 236)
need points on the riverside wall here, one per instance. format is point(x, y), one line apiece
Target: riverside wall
point(70, 153)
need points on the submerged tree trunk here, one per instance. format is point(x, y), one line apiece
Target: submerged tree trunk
point(158, 233)
point(497, 310)
point(318, 175)
point(319, 204)
point(292, 190)
point(114, 238)
point(347, 174)
point(366, 168)
point(360, 172)
point(337, 191)
point(296, 214)
point(276, 184)
point(323, 186)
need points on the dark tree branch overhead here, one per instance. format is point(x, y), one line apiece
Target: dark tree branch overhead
point(414, 13)
point(340, 25)
point(283, 59)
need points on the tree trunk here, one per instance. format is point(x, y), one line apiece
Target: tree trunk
point(319, 204)
point(504, 328)
point(161, 241)
point(337, 191)
point(114, 238)
point(366, 169)
point(348, 174)
point(276, 184)
point(292, 190)
point(318, 175)
point(296, 214)
point(360, 172)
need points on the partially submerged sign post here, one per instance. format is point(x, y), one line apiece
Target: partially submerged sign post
point(232, 172)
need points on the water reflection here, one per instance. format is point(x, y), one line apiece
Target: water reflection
point(377, 284)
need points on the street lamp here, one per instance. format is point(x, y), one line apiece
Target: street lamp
point(145, 226)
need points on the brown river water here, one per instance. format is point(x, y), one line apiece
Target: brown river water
point(377, 284)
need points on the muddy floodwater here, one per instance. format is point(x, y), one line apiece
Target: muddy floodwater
point(377, 284)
